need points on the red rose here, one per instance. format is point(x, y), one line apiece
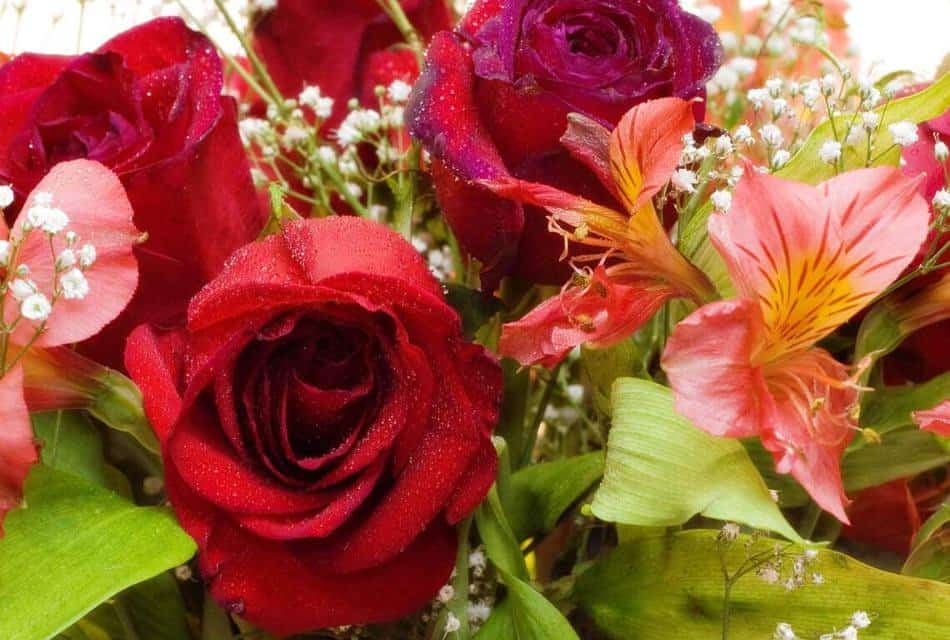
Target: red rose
point(345, 48)
point(494, 98)
point(147, 105)
point(323, 424)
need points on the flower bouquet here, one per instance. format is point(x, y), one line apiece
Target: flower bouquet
point(505, 319)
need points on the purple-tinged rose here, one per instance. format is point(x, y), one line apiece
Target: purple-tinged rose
point(494, 98)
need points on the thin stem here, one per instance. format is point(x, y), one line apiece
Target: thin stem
point(82, 18)
point(395, 12)
point(252, 56)
point(546, 396)
point(459, 603)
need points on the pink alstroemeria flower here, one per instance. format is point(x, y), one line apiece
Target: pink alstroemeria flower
point(635, 268)
point(804, 260)
point(84, 288)
point(936, 420)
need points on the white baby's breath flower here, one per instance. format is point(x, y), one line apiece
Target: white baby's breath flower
point(6, 251)
point(870, 120)
point(772, 135)
point(860, 620)
point(780, 158)
point(744, 135)
point(684, 180)
point(22, 289)
point(446, 593)
point(758, 97)
point(354, 189)
point(87, 256)
point(942, 199)
point(478, 611)
point(347, 134)
point(830, 152)
point(6, 196)
point(744, 66)
point(326, 154)
point(43, 198)
point(74, 285)
point(66, 259)
point(399, 91)
point(941, 152)
point(722, 200)
point(730, 531)
point(775, 86)
point(848, 633)
point(452, 623)
point(904, 133)
point(724, 145)
point(784, 632)
point(36, 307)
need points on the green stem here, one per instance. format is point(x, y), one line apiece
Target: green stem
point(259, 68)
point(395, 12)
point(806, 528)
point(532, 435)
point(125, 620)
point(458, 605)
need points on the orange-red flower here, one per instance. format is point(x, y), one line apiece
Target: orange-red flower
point(631, 268)
point(804, 260)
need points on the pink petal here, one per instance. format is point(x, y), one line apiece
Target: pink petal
point(100, 214)
point(807, 425)
point(814, 257)
point(17, 450)
point(936, 420)
point(589, 142)
point(600, 314)
point(708, 361)
point(883, 219)
point(646, 147)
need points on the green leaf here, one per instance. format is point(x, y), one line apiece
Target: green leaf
point(151, 610)
point(500, 543)
point(807, 166)
point(661, 470)
point(533, 615)
point(672, 587)
point(930, 557)
point(540, 494)
point(889, 409)
point(600, 367)
point(73, 546)
point(500, 624)
point(902, 454)
point(473, 306)
point(71, 443)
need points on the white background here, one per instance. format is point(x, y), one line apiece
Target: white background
point(906, 34)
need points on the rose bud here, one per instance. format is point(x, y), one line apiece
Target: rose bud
point(148, 105)
point(493, 102)
point(323, 426)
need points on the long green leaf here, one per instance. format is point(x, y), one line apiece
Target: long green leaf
point(807, 166)
point(534, 617)
point(661, 470)
point(930, 557)
point(73, 546)
point(672, 587)
point(541, 493)
point(70, 442)
point(500, 543)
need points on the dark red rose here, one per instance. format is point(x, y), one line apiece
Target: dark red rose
point(345, 48)
point(147, 105)
point(495, 94)
point(323, 425)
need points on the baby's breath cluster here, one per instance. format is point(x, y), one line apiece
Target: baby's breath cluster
point(71, 259)
point(321, 166)
point(859, 620)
